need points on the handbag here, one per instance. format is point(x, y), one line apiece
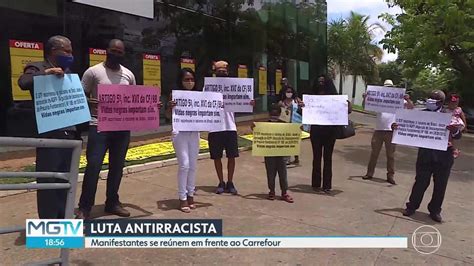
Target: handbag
point(344, 132)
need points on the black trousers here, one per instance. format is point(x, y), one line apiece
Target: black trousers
point(274, 165)
point(431, 163)
point(52, 202)
point(323, 139)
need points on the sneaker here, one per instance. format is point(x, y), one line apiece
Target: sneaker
point(408, 212)
point(231, 188)
point(367, 177)
point(220, 188)
point(271, 195)
point(117, 210)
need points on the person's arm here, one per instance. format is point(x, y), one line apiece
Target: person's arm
point(349, 107)
point(169, 108)
point(454, 132)
point(463, 118)
point(26, 79)
point(252, 126)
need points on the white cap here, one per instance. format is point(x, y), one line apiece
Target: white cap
point(388, 83)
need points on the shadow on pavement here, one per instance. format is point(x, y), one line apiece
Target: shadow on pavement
point(21, 239)
point(374, 180)
point(208, 189)
point(173, 204)
point(418, 217)
point(256, 196)
point(302, 188)
point(97, 211)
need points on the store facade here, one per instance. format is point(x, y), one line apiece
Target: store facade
point(264, 40)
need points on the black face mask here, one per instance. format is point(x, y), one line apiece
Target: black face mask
point(221, 75)
point(114, 59)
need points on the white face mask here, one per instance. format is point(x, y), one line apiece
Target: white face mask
point(432, 104)
point(289, 95)
point(189, 85)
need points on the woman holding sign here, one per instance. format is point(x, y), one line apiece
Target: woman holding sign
point(323, 138)
point(290, 102)
point(186, 145)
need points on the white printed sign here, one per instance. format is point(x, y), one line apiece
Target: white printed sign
point(237, 92)
point(384, 99)
point(197, 111)
point(325, 110)
point(422, 129)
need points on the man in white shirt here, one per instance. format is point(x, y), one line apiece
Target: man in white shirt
point(383, 134)
point(116, 142)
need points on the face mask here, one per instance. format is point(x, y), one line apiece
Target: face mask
point(64, 61)
point(432, 104)
point(114, 59)
point(289, 95)
point(188, 85)
point(221, 75)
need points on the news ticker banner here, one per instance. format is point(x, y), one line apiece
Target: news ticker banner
point(21, 54)
point(175, 233)
point(128, 107)
point(237, 93)
point(152, 70)
point(189, 63)
point(97, 56)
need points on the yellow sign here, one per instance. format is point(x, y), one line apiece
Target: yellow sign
point(146, 151)
point(262, 80)
point(96, 56)
point(151, 70)
point(242, 71)
point(276, 139)
point(278, 77)
point(21, 54)
point(189, 63)
point(304, 135)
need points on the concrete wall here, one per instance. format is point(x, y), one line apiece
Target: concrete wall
point(347, 87)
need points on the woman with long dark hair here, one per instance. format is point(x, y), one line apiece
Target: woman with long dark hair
point(186, 145)
point(289, 101)
point(323, 139)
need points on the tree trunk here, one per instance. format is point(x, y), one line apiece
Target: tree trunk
point(354, 83)
point(340, 78)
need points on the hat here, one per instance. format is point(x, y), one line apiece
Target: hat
point(220, 64)
point(388, 83)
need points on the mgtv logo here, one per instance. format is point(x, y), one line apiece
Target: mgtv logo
point(54, 228)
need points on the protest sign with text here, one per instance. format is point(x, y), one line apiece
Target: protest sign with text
point(236, 92)
point(197, 111)
point(60, 102)
point(276, 139)
point(325, 110)
point(422, 129)
point(128, 107)
point(384, 99)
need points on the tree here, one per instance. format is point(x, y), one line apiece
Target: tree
point(363, 52)
point(338, 47)
point(393, 71)
point(434, 34)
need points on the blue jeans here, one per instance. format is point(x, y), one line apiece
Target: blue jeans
point(98, 143)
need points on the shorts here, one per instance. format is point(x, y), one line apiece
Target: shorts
point(223, 140)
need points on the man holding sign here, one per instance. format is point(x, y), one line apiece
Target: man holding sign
point(385, 101)
point(225, 138)
point(434, 161)
point(58, 52)
point(109, 72)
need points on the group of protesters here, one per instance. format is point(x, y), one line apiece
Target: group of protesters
point(51, 203)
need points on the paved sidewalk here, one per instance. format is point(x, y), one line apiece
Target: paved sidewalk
point(358, 207)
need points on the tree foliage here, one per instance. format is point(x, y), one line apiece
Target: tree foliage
point(434, 34)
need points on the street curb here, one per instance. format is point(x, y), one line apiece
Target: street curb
point(132, 169)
